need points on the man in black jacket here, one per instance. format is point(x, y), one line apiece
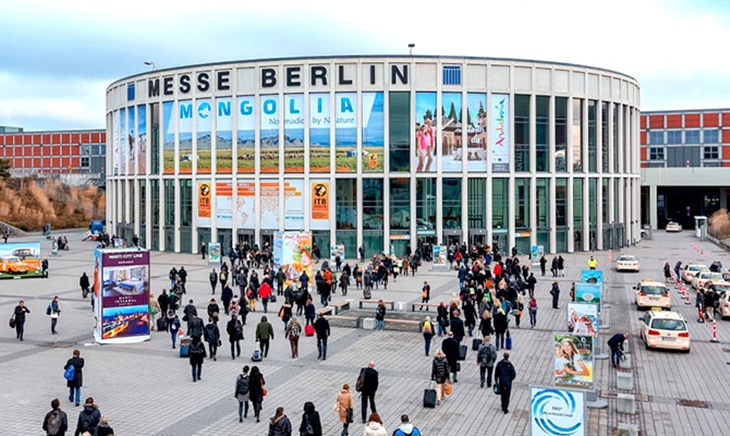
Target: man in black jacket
point(74, 385)
point(190, 312)
point(450, 347)
point(368, 387)
point(457, 327)
point(322, 328)
point(84, 285)
point(55, 420)
point(213, 278)
point(504, 373)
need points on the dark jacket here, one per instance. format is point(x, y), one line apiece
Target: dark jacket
point(64, 422)
point(440, 370)
point(617, 342)
point(196, 358)
point(310, 311)
point(264, 331)
point(78, 363)
point(312, 417)
point(504, 373)
point(84, 282)
point(370, 381)
point(500, 321)
point(19, 313)
point(457, 327)
point(211, 333)
point(104, 431)
point(450, 347)
point(280, 427)
point(226, 294)
point(196, 327)
point(322, 328)
point(485, 327)
point(94, 414)
point(231, 330)
point(256, 388)
point(190, 311)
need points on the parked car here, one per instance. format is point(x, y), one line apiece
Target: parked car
point(690, 270)
point(664, 329)
point(699, 279)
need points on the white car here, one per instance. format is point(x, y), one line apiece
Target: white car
point(626, 262)
point(663, 329)
point(650, 293)
point(723, 298)
point(689, 270)
point(673, 227)
point(699, 279)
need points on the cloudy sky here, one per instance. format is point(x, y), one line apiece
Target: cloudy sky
point(58, 56)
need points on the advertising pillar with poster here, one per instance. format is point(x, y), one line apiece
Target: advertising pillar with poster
point(557, 412)
point(583, 320)
point(451, 130)
point(214, 253)
point(122, 292)
point(204, 204)
point(573, 360)
point(293, 253)
point(536, 252)
point(588, 293)
point(440, 257)
point(591, 276)
point(20, 260)
point(336, 250)
point(425, 127)
point(500, 133)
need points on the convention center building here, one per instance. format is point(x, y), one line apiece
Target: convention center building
point(376, 151)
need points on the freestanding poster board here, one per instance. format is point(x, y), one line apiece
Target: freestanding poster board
point(557, 412)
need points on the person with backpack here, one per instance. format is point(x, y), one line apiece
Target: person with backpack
point(173, 326)
point(427, 330)
point(55, 422)
point(196, 327)
point(212, 336)
point(234, 328)
point(241, 394)
point(89, 418)
point(322, 329)
point(440, 373)
point(264, 333)
point(406, 428)
point(311, 424)
point(486, 358)
point(197, 357)
point(256, 385)
point(74, 377)
point(292, 332)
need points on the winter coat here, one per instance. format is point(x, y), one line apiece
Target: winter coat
point(370, 381)
point(264, 331)
point(93, 411)
point(344, 401)
point(500, 322)
point(380, 312)
point(457, 327)
point(78, 364)
point(197, 358)
point(440, 370)
point(485, 326)
point(280, 427)
point(450, 347)
point(374, 429)
point(322, 328)
point(311, 417)
point(310, 311)
point(504, 373)
point(211, 333)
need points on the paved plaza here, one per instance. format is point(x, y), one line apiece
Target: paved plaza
point(146, 389)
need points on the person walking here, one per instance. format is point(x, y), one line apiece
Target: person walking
point(226, 298)
point(212, 336)
point(55, 423)
point(173, 326)
point(504, 374)
point(234, 328)
point(457, 327)
point(197, 327)
point(440, 370)
point(344, 407)
point(593, 262)
point(74, 384)
point(344, 282)
point(500, 327)
point(256, 385)
point(197, 357)
point(543, 262)
point(519, 307)
point(322, 329)
point(561, 266)
point(54, 310)
point(44, 268)
point(213, 279)
point(265, 293)
point(84, 284)
point(189, 313)
point(485, 323)
point(442, 318)
point(368, 383)
point(19, 319)
point(375, 426)
point(667, 272)
point(241, 393)
point(486, 358)
point(279, 424)
point(406, 428)
point(427, 330)
point(380, 315)
point(450, 348)
point(532, 310)
point(280, 279)
point(554, 267)
point(311, 424)
point(264, 333)
point(616, 344)
point(213, 310)
point(104, 429)
point(155, 310)
point(530, 284)
point(164, 302)
point(89, 418)
point(425, 293)
point(293, 332)
point(555, 292)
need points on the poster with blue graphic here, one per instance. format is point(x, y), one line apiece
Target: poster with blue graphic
point(476, 132)
point(346, 132)
point(319, 133)
point(425, 127)
point(451, 131)
point(591, 276)
point(123, 141)
point(588, 293)
point(500, 132)
point(294, 133)
point(246, 134)
point(204, 140)
point(185, 114)
point(214, 253)
point(168, 137)
point(557, 412)
point(223, 136)
point(141, 141)
point(373, 131)
point(131, 141)
point(270, 119)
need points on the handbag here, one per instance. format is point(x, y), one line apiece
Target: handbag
point(496, 389)
point(263, 390)
point(12, 322)
point(348, 416)
point(447, 388)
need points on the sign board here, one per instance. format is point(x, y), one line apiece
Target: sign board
point(588, 293)
point(557, 412)
point(214, 253)
point(20, 260)
point(335, 250)
point(573, 356)
point(591, 276)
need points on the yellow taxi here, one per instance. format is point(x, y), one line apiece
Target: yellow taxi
point(689, 271)
point(700, 279)
point(12, 265)
point(664, 329)
point(650, 293)
point(627, 262)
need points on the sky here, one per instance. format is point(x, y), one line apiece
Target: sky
point(57, 57)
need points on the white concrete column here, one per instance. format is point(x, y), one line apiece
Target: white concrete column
point(653, 194)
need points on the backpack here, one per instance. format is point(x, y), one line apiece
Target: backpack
point(487, 355)
point(54, 422)
point(238, 329)
point(242, 385)
point(87, 422)
point(360, 380)
point(295, 331)
point(70, 373)
point(195, 350)
point(48, 310)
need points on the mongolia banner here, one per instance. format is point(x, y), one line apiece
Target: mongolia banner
point(573, 360)
point(500, 133)
point(557, 412)
point(246, 132)
point(204, 140)
point(186, 119)
point(591, 276)
point(122, 284)
point(223, 136)
point(269, 117)
point(293, 254)
point(588, 293)
point(320, 205)
point(20, 260)
point(294, 133)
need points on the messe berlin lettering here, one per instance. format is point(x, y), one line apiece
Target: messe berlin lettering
point(293, 77)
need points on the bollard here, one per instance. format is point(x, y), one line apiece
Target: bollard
point(686, 296)
point(714, 331)
point(701, 314)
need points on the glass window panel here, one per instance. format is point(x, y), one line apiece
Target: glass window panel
point(710, 136)
point(656, 153)
point(543, 202)
point(691, 137)
point(656, 137)
point(592, 206)
point(186, 202)
point(561, 194)
point(400, 204)
point(372, 211)
point(592, 139)
point(142, 202)
point(399, 131)
point(674, 137)
point(522, 132)
point(615, 137)
point(346, 202)
point(577, 135)
point(477, 202)
point(155, 198)
point(500, 199)
point(711, 152)
point(604, 137)
point(561, 133)
point(578, 213)
point(604, 204)
point(542, 116)
point(451, 203)
point(522, 203)
point(426, 206)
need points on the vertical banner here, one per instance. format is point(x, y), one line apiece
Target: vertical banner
point(588, 293)
point(451, 142)
point(214, 253)
point(373, 131)
point(440, 254)
point(224, 205)
point(123, 141)
point(116, 154)
point(269, 210)
point(142, 139)
point(294, 133)
point(278, 249)
point(204, 139)
point(246, 203)
point(583, 320)
point(591, 276)
point(204, 204)
point(500, 138)
point(425, 126)
point(168, 137)
point(346, 132)
point(131, 141)
point(320, 219)
point(557, 412)
point(223, 136)
point(573, 360)
point(269, 126)
point(294, 204)
point(246, 135)
point(125, 296)
point(476, 132)
point(293, 253)
point(319, 133)
point(185, 118)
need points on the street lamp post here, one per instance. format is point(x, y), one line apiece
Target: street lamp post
point(151, 64)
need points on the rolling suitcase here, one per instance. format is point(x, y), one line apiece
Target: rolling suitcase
point(309, 330)
point(508, 342)
point(475, 343)
point(256, 356)
point(161, 324)
point(185, 346)
point(429, 397)
point(462, 352)
point(367, 294)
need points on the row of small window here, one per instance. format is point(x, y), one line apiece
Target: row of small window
point(708, 152)
point(708, 136)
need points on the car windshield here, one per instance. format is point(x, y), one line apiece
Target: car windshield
point(11, 259)
point(711, 276)
point(627, 258)
point(653, 290)
point(697, 267)
point(669, 324)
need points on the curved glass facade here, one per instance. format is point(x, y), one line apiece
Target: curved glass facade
point(378, 152)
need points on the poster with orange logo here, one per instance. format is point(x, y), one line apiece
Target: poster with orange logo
point(320, 204)
point(204, 203)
